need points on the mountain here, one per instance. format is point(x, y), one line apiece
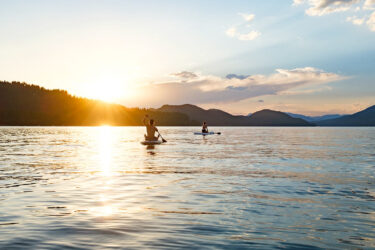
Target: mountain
point(268, 117)
point(215, 117)
point(314, 118)
point(363, 118)
point(22, 104)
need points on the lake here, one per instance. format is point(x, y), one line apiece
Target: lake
point(250, 187)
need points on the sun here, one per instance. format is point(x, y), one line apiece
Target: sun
point(109, 89)
point(109, 86)
point(109, 93)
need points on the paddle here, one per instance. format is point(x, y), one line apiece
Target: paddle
point(207, 133)
point(217, 133)
point(162, 139)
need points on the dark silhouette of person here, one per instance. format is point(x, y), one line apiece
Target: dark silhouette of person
point(204, 128)
point(150, 128)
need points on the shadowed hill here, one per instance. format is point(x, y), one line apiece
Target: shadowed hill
point(268, 117)
point(363, 118)
point(24, 104)
point(215, 117)
point(314, 118)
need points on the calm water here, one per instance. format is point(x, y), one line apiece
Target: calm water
point(98, 188)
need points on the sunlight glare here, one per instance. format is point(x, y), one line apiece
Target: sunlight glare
point(103, 211)
point(105, 144)
point(109, 88)
point(108, 91)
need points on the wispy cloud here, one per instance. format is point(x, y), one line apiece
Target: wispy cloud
point(249, 36)
point(213, 89)
point(235, 76)
point(371, 22)
point(247, 17)
point(369, 5)
point(306, 91)
point(232, 32)
point(185, 75)
point(323, 7)
point(298, 2)
point(243, 35)
point(356, 21)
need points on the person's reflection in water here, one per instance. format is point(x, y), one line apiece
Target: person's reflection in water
point(204, 139)
point(150, 150)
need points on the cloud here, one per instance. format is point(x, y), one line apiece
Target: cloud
point(323, 7)
point(231, 32)
point(298, 2)
point(213, 89)
point(355, 20)
point(247, 17)
point(244, 35)
point(369, 5)
point(235, 88)
point(249, 36)
point(371, 22)
point(231, 76)
point(185, 75)
point(306, 91)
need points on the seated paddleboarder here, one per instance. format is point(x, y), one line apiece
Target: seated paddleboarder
point(204, 128)
point(151, 129)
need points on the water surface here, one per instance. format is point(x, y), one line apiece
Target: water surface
point(98, 187)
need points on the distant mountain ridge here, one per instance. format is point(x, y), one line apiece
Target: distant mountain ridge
point(314, 118)
point(23, 104)
point(365, 117)
point(212, 116)
point(216, 117)
point(267, 117)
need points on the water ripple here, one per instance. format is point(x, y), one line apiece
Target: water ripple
point(97, 187)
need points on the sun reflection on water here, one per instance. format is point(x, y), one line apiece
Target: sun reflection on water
point(103, 211)
point(105, 141)
point(105, 150)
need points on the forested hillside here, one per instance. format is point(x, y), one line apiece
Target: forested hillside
point(24, 104)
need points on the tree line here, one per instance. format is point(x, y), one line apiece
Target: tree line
point(23, 104)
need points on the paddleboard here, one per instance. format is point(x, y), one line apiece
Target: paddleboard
point(150, 142)
point(200, 133)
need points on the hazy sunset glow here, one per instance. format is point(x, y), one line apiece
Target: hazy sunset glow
point(187, 124)
point(311, 57)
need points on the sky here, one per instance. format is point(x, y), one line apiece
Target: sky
point(311, 57)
